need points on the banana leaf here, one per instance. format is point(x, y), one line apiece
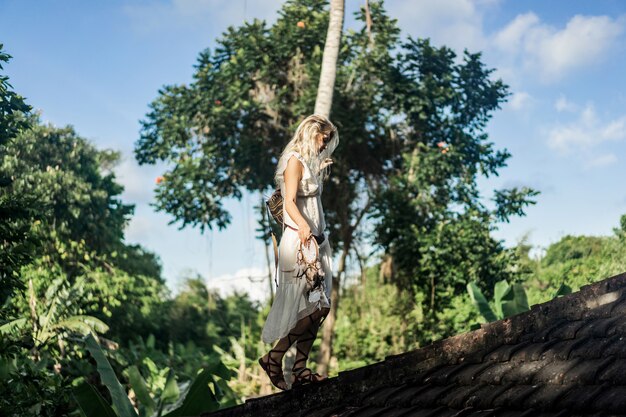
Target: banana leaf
point(564, 289)
point(141, 390)
point(480, 302)
point(90, 402)
point(199, 399)
point(12, 325)
point(500, 291)
point(515, 301)
point(171, 392)
point(121, 403)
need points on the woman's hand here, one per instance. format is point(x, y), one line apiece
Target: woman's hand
point(326, 162)
point(304, 233)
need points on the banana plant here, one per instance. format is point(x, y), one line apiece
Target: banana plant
point(508, 300)
point(176, 400)
point(53, 316)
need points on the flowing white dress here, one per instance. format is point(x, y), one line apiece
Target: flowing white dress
point(291, 303)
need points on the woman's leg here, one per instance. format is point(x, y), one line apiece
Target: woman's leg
point(301, 331)
point(305, 342)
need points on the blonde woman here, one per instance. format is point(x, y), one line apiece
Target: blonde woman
point(303, 166)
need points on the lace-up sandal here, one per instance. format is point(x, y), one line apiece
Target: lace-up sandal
point(306, 376)
point(303, 375)
point(276, 377)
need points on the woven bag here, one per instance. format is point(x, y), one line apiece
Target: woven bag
point(275, 206)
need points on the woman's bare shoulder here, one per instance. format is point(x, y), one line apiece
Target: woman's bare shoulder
point(294, 166)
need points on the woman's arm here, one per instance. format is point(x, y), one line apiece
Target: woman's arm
point(293, 175)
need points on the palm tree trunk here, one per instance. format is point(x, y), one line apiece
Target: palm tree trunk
point(324, 100)
point(323, 104)
point(328, 328)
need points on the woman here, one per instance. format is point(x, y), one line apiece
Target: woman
point(302, 167)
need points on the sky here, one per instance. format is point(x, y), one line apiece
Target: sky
point(97, 65)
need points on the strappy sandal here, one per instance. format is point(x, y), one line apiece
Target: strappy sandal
point(275, 377)
point(300, 375)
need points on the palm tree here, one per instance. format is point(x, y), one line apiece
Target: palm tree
point(326, 85)
point(323, 105)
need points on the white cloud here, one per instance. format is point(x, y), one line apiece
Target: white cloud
point(520, 100)
point(197, 14)
point(510, 38)
point(138, 181)
point(601, 161)
point(586, 132)
point(454, 23)
point(139, 229)
point(250, 280)
point(563, 104)
point(552, 53)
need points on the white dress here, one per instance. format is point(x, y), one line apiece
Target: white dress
point(291, 303)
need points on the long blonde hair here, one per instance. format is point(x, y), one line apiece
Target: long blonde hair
point(304, 142)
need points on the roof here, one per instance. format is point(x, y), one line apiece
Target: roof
point(565, 357)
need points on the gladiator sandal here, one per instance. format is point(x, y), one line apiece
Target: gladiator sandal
point(277, 376)
point(302, 374)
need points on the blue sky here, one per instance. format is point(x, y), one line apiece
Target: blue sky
point(97, 65)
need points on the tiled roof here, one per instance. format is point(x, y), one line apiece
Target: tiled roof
point(566, 357)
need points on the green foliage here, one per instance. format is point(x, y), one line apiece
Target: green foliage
point(575, 261)
point(190, 398)
point(509, 300)
point(121, 403)
point(377, 319)
point(68, 175)
point(573, 247)
point(17, 211)
point(431, 218)
point(481, 302)
point(198, 313)
point(373, 322)
point(415, 122)
point(12, 105)
point(91, 402)
point(222, 133)
point(27, 389)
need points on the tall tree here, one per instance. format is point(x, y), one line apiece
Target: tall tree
point(431, 215)
point(17, 211)
point(76, 183)
point(222, 140)
point(323, 105)
point(221, 134)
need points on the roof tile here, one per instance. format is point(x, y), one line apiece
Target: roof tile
point(515, 396)
point(567, 331)
point(406, 395)
point(615, 374)
point(469, 373)
point(593, 348)
point(612, 400)
point(504, 352)
point(523, 372)
point(595, 327)
point(580, 398)
point(485, 396)
point(545, 396)
point(430, 396)
point(554, 372)
point(533, 351)
point(586, 371)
